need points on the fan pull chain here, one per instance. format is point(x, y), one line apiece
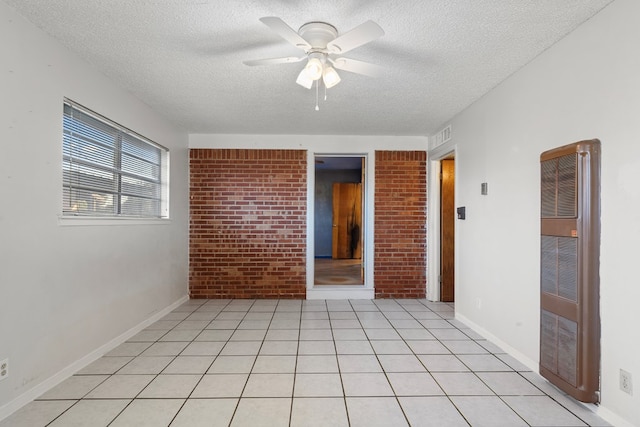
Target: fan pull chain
point(325, 92)
point(317, 83)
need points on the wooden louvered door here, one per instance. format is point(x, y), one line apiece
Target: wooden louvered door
point(569, 269)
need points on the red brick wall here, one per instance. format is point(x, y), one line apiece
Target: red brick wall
point(400, 224)
point(247, 228)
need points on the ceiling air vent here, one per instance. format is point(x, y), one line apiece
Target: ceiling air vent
point(440, 138)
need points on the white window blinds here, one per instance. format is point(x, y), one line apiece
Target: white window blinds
point(108, 170)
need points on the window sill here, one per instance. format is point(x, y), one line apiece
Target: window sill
point(96, 221)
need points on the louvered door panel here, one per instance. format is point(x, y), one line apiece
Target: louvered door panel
point(569, 269)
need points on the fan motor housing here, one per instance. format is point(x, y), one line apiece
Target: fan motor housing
point(318, 34)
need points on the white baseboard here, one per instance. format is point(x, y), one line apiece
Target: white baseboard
point(601, 411)
point(613, 418)
point(531, 364)
point(74, 367)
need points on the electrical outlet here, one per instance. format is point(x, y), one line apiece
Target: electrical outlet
point(626, 383)
point(4, 369)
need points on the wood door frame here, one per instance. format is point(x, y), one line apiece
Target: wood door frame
point(434, 157)
point(365, 291)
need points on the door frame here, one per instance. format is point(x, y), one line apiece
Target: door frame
point(365, 291)
point(434, 157)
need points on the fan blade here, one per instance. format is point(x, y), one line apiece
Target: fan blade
point(358, 67)
point(271, 61)
point(360, 35)
point(285, 31)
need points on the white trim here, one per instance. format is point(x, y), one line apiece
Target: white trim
point(609, 416)
point(340, 292)
point(311, 192)
point(74, 367)
point(327, 143)
point(83, 220)
point(433, 230)
point(433, 218)
point(365, 291)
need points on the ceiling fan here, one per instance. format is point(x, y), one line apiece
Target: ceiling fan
point(322, 48)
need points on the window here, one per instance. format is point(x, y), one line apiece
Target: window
point(109, 171)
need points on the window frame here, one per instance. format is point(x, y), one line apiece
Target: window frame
point(156, 180)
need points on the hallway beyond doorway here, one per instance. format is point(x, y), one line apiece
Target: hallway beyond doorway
point(338, 271)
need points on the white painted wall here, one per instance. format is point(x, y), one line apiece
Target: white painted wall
point(66, 290)
point(586, 86)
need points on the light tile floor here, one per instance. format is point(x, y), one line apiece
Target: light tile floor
point(305, 363)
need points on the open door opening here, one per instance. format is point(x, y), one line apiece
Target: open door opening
point(447, 230)
point(338, 227)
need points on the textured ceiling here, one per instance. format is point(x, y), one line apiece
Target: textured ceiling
point(184, 57)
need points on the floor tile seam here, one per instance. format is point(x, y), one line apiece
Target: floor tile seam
point(566, 407)
point(384, 372)
point(340, 373)
point(236, 329)
point(344, 397)
point(544, 393)
point(287, 397)
point(174, 327)
point(179, 409)
point(471, 371)
point(295, 368)
point(140, 355)
point(414, 354)
point(252, 397)
point(219, 352)
point(404, 414)
point(251, 372)
point(112, 419)
point(457, 409)
point(425, 305)
point(335, 346)
point(512, 409)
point(107, 376)
point(475, 372)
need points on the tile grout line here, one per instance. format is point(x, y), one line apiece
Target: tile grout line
point(434, 379)
point(205, 371)
point(381, 309)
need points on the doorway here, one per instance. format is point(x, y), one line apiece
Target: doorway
point(338, 220)
point(438, 192)
point(447, 230)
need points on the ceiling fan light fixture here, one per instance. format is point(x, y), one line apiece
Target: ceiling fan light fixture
point(318, 40)
point(313, 69)
point(330, 77)
point(304, 80)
